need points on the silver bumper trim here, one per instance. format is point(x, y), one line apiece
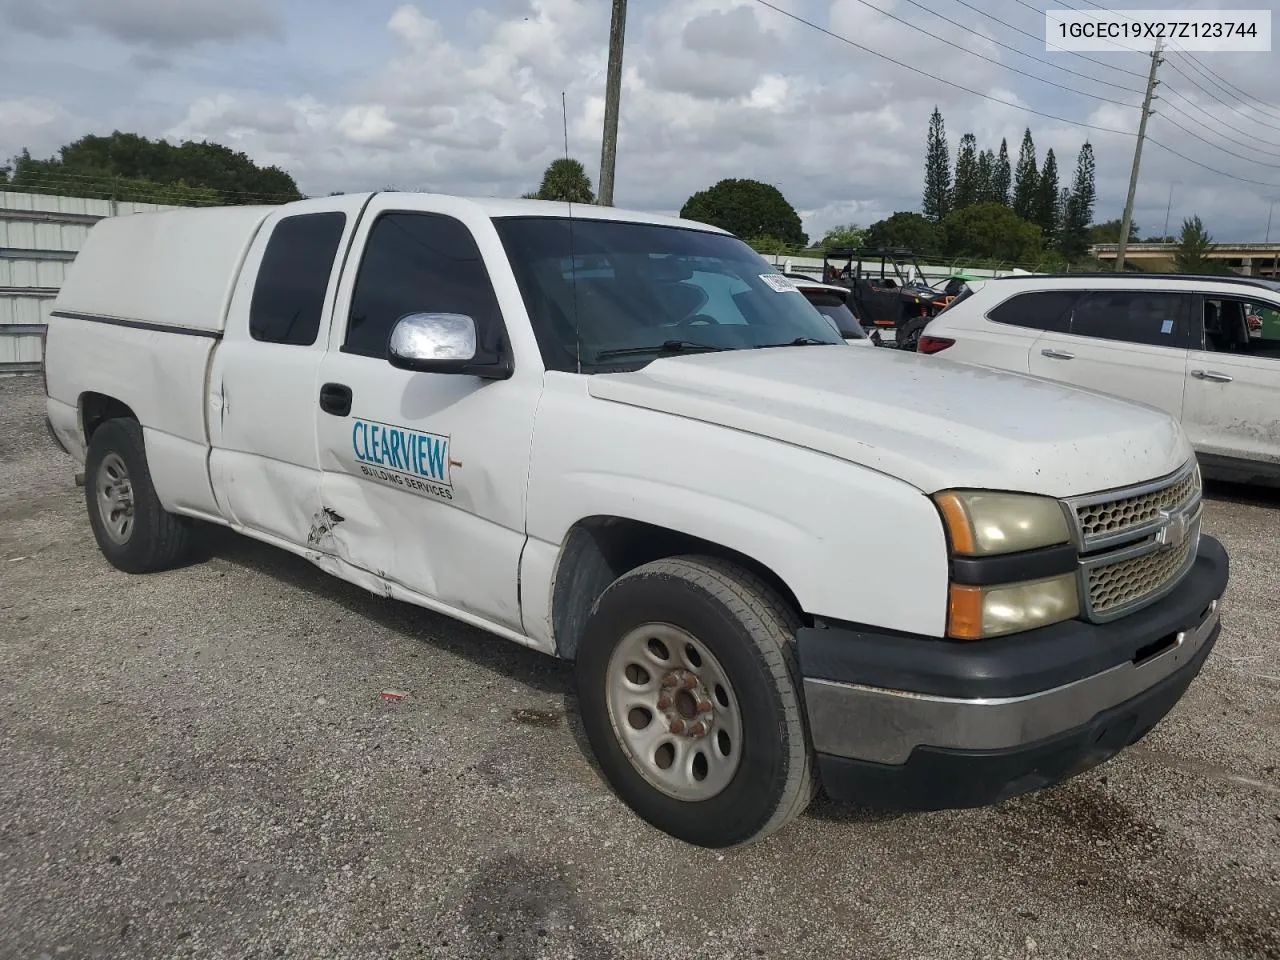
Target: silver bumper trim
point(884, 726)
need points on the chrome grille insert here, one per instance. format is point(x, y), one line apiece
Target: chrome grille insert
point(1136, 543)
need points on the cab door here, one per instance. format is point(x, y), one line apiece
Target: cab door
point(1128, 343)
point(424, 474)
point(261, 413)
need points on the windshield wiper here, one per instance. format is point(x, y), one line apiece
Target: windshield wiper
point(797, 342)
point(667, 346)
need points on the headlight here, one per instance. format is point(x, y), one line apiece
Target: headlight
point(976, 613)
point(980, 523)
point(984, 525)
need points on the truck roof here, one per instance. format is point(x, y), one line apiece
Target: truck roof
point(180, 267)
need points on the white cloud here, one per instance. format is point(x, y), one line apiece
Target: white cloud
point(468, 100)
point(157, 24)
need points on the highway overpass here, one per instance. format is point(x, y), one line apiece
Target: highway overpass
point(1249, 259)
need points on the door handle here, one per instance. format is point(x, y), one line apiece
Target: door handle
point(1057, 354)
point(1213, 375)
point(335, 398)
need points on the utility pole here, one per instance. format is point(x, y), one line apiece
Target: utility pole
point(1137, 155)
point(612, 94)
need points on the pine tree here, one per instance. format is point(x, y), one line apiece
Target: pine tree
point(1026, 180)
point(1046, 201)
point(1077, 213)
point(1001, 177)
point(986, 171)
point(1194, 247)
point(937, 171)
point(966, 190)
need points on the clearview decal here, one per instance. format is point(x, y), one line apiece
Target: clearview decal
point(400, 457)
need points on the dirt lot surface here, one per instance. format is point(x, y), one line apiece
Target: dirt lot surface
point(199, 764)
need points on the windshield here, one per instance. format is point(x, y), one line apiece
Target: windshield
point(831, 306)
point(603, 293)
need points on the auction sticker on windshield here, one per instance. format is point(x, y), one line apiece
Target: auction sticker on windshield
point(780, 283)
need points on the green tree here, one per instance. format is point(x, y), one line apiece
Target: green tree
point(966, 192)
point(566, 179)
point(1194, 247)
point(986, 176)
point(1109, 232)
point(1047, 200)
point(905, 229)
point(747, 208)
point(1026, 180)
point(1001, 176)
point(991, 231)
point(126, 166)
point(1077, 212)
point(937, 170)
point(844, 235)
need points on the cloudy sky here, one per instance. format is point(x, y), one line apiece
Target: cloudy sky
point(465, 97)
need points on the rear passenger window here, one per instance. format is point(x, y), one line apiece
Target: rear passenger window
point(1046, 310)
point(288, 297)
point(1155, 319)
point(418, 263)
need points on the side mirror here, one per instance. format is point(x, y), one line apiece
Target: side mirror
point(443, 343)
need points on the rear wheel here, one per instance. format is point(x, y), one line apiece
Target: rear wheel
point(690, 698)
point(134, 532)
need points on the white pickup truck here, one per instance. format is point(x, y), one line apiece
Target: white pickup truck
point(624, 439)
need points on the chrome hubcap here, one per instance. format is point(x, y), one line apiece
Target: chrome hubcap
point(115, 498)
point(674, 712)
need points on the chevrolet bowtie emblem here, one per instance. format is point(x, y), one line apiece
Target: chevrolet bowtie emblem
point(1173, 531)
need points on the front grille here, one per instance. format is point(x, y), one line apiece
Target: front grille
point(1116, 586)
point(1136, 543)
point(1112, 517)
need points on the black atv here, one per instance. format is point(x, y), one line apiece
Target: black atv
point(895, 298)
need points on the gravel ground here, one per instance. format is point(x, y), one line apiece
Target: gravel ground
point(198, 764)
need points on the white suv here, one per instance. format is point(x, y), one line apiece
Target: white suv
point(1205, 349)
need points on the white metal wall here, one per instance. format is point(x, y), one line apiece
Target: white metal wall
point(39, 238)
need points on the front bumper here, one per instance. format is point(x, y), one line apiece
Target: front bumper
point(920, 723)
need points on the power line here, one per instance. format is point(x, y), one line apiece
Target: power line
point(1244, 133)
point(1217, 146)
point(1040, 39)
point(937, 79)
point(1002, 101)
point(1201, 68)
point(1021, 53)
point(1214, 96)
point(1258, 102)
point(1003, 66)
point(1191, 61)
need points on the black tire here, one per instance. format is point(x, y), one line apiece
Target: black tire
point(157, 539)
point(750, 630)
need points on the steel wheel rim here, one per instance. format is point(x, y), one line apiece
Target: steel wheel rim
point(115, 498)
point(690, 745)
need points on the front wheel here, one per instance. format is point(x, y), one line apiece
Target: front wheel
point(690, 698)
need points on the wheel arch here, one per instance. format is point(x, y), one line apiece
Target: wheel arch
point(599, 549)
point(95, 409)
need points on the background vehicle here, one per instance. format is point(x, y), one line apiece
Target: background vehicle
point(623, 440)
point(889, 289)
point(1180, 343)
point(833, 302)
